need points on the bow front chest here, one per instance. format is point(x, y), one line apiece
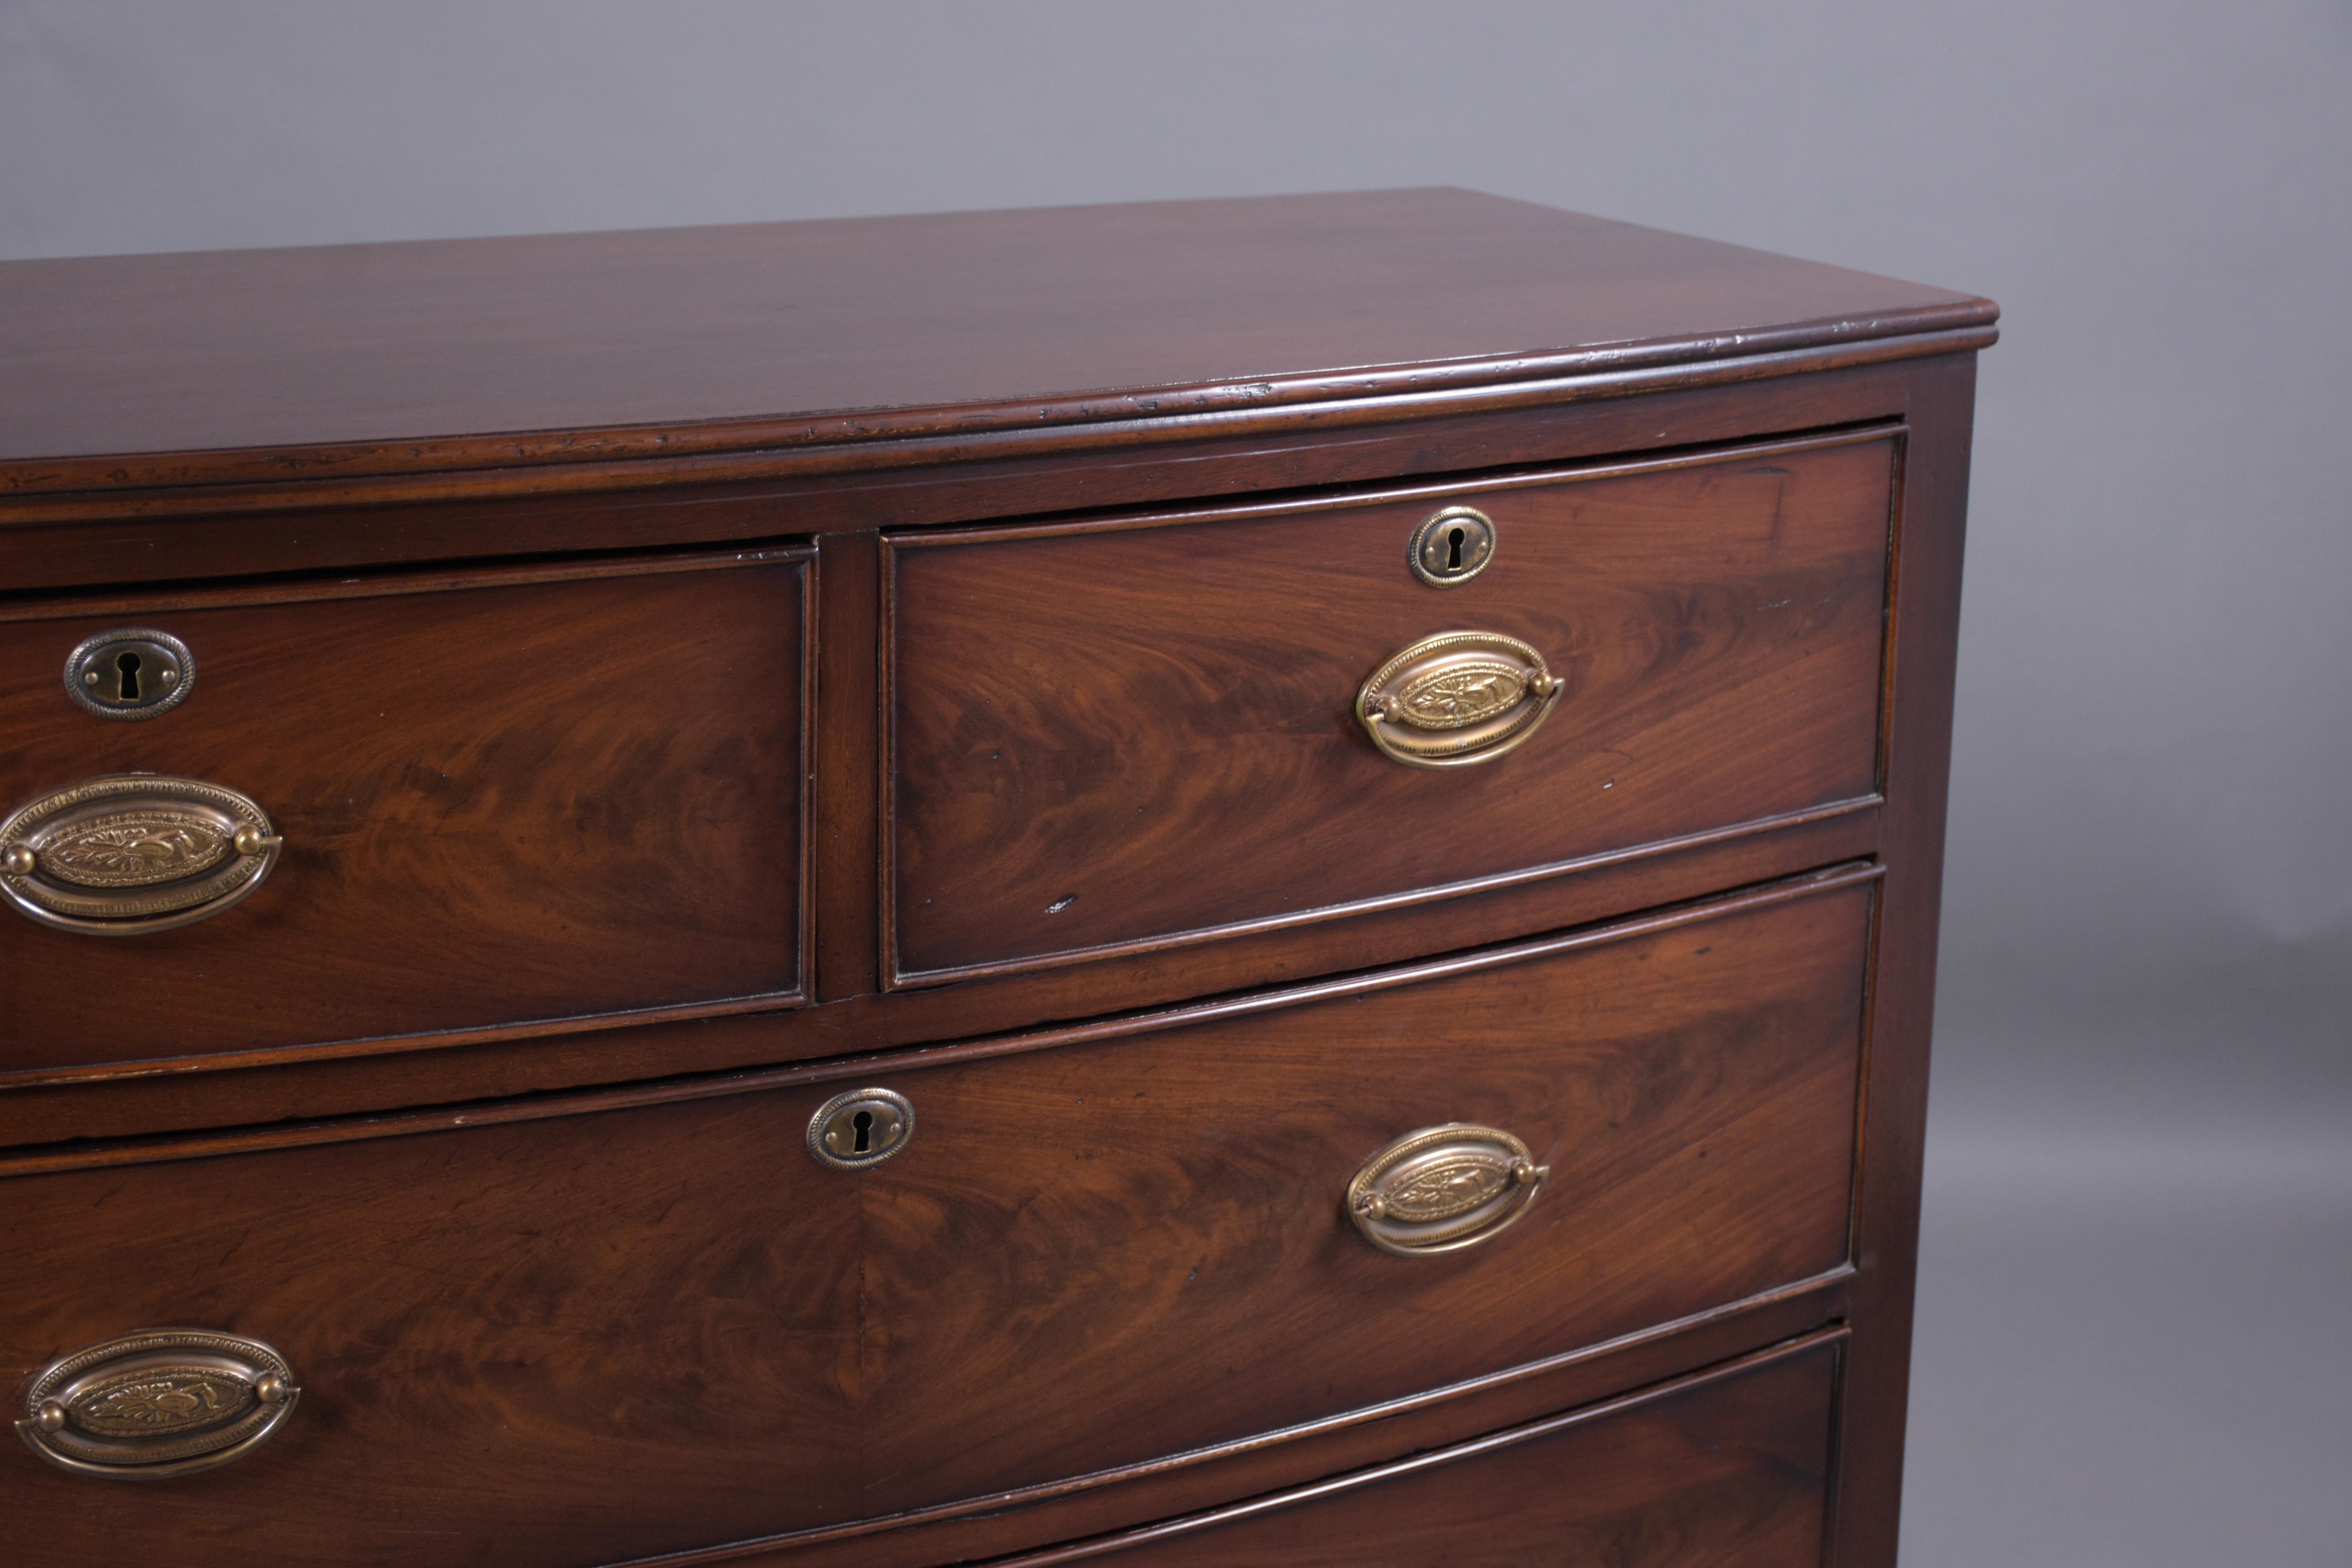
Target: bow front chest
point(1239, 882)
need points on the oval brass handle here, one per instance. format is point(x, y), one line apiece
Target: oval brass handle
point(134, 852)
point(161, 1403)
point(1457, 698)
point(1441, 1189)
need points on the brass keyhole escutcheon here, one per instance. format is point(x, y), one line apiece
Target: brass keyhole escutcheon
point(862, 1128)
point(135, 672)
point(1451, 546)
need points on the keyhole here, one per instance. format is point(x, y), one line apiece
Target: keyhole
point(1453, 549)
point(863, 1122)
point(127, 663)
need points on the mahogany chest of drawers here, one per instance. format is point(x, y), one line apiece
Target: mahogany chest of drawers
point(1220, 882)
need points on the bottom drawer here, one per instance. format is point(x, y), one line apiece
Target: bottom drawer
point(1728, 1465)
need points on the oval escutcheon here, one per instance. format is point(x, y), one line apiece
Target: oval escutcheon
point(162, 1402)
point(134, 852)
point(1440, 1189)
point(1455, 698)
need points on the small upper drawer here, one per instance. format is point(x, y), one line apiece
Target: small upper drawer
point(505, 797)
point(1109, 736)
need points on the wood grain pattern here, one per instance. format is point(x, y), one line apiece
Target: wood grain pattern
point(509, 802)
point(360, 1076)
point(99, 538)
point(1902, 1000)
point(89, 1155)
point(1102, 1504)
point(1727, 1468)
point(847, 747)
point(1693, 1092)
point(565, 349)
point(1105, 736)
point(59, 1108)
point(568, 1338)
point(512, 1164)
point(537, 1345)
point(1045, 447)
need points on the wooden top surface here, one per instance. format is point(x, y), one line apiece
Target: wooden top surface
point(262, 365)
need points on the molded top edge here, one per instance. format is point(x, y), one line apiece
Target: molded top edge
point(230, 368)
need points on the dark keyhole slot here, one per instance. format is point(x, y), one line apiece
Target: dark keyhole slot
point(1453, 549)
point(127, 663)
point(863, 1125)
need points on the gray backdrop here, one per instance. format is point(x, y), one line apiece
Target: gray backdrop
point(2139, 1226)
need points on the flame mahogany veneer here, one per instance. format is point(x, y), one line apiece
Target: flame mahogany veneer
point(696, 673)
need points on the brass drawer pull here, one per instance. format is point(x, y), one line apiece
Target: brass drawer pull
point(134, 852)
point(1457, 698)
point(165, 1402)
point(1441, 1189)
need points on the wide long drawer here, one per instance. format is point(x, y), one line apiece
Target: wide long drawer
point(1112, 736)
point(505, 797)
point(1727, 1467)
point(576, 1334)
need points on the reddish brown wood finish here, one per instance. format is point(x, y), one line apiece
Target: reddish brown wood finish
point(845, 765)
point(1918, 768)
point(520, 796)
point(1100, 1504)
point(813, 386)
point(558, 349)
point(839, 1039)
point(102, 538)
point(1707, 1074)
point(582, 1328)
point(1108, 736)
point(1730, 1466)
point(546, 1344)
point(82, 1155)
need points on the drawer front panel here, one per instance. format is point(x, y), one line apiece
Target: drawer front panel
point(1100, 1255)
point(600, 1335)
point(1731, 1469)
point(506, 803)
point(1108, 736)
point(558, 1343)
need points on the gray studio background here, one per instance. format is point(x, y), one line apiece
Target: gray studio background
point(2139, 1247)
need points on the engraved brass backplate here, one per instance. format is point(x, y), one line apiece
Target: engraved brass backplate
point(861, 1128)
point(1444, 1188)
point(1457, 698)
point(157, 1404)
point(134, 852)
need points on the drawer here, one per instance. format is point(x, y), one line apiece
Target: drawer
point(1727, 1468)
point(505, 797)
point(1110, 736)
point(601, 1333)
